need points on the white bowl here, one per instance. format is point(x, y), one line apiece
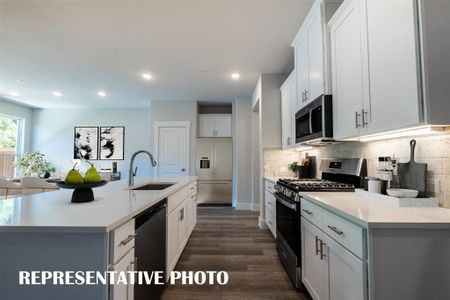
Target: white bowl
point(402, 193)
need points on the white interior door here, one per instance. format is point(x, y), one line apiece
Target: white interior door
point(172, 142)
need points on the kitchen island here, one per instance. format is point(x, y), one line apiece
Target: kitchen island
point(358, 248)
point(46, 232)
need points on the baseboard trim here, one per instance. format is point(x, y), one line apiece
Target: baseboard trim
point(255, 207)
point(244, 206)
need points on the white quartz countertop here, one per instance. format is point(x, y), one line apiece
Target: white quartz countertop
point(371, 214)
point(114, 204)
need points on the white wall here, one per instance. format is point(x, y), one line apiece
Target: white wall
point(242, 154)
point(21, 111)
point(52, 134)
point(163, 111)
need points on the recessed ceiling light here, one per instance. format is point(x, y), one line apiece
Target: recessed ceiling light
point(235, 75)
point(101, 93)
point(14, 93)
point(147, 76)
point(57, 93)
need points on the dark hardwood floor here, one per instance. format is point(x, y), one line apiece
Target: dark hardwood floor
point(229, 240)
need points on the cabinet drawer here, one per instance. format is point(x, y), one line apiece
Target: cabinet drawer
point(312, 212)
point(175, 199)
point(270, 201)
point(349, 235)
point(122, 241)
point(271, 221)
point(268, 185)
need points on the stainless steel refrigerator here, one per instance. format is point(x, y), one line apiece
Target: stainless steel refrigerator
point(214, 166)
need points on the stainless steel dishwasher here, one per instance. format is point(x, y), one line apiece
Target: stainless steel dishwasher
point(150, 248)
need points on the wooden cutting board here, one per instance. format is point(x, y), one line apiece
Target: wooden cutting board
point(412, 175)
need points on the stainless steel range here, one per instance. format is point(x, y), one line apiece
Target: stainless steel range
point(338, 175)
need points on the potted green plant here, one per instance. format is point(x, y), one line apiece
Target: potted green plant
point(300, 169)
point(33, 164)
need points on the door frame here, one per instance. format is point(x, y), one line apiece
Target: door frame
point(156, 126)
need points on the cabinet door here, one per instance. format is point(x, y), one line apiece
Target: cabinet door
point(192, 212)
point(393, 64)
point(124, 291)
point(314, 266)
point(347, 273)
point(182, 226)
point(286, 114)
point(223, 126)
point(206, 125)
point(172, 240)
point(316, 55)
point(349, 74)
point(302, 70)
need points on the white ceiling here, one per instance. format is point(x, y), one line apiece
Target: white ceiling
point(190, 47)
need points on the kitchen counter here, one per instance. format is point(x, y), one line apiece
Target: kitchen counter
point(114, 204)
point(371, 214)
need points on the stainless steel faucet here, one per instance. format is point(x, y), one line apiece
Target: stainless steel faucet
point(132, 172)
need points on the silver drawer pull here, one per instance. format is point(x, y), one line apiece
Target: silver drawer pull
point(269, 222)
point(336, 230)
point(128, 239)
point(322, 255)
point(317, 245)
point(268, 202)
point(308, 211)
point(192, 187)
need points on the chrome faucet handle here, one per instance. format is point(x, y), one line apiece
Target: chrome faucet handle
point(135, 171)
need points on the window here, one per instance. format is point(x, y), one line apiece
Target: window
point(11, 144)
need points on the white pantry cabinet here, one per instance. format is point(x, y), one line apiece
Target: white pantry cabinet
point(214, 125)
point(288, 104)
point(181, 220)
point(309, 57)
point(375, 67)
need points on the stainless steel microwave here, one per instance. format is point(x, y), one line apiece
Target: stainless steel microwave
point(314, 122)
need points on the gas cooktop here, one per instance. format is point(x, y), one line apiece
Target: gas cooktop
point(313, 184)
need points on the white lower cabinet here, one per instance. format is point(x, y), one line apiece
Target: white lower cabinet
point(330, 270)
point(314, 262)
point(270, 207)
point(181, 221)
point(123, 291)
point(346, 273)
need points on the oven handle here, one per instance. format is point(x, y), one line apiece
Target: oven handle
point(310, 121)
point(285, 203)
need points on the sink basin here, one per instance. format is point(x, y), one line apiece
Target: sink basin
point(153, 187)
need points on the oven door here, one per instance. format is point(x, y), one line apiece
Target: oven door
point(288, 223)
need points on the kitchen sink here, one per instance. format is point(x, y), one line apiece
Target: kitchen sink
point(153, 187)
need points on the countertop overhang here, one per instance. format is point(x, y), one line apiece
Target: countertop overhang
point(114, 204)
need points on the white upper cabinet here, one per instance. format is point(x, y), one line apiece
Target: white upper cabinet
point(288, 104)
point(374, 65)
point(214, 125)
point(309, 57)
point(349, 74)
point(393, 64)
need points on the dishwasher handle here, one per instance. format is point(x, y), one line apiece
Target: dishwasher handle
point(147, 214)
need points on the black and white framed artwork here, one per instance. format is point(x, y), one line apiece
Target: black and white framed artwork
point(85, 143)
point(112, 142)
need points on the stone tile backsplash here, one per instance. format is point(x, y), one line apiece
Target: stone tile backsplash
point(433, 150)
